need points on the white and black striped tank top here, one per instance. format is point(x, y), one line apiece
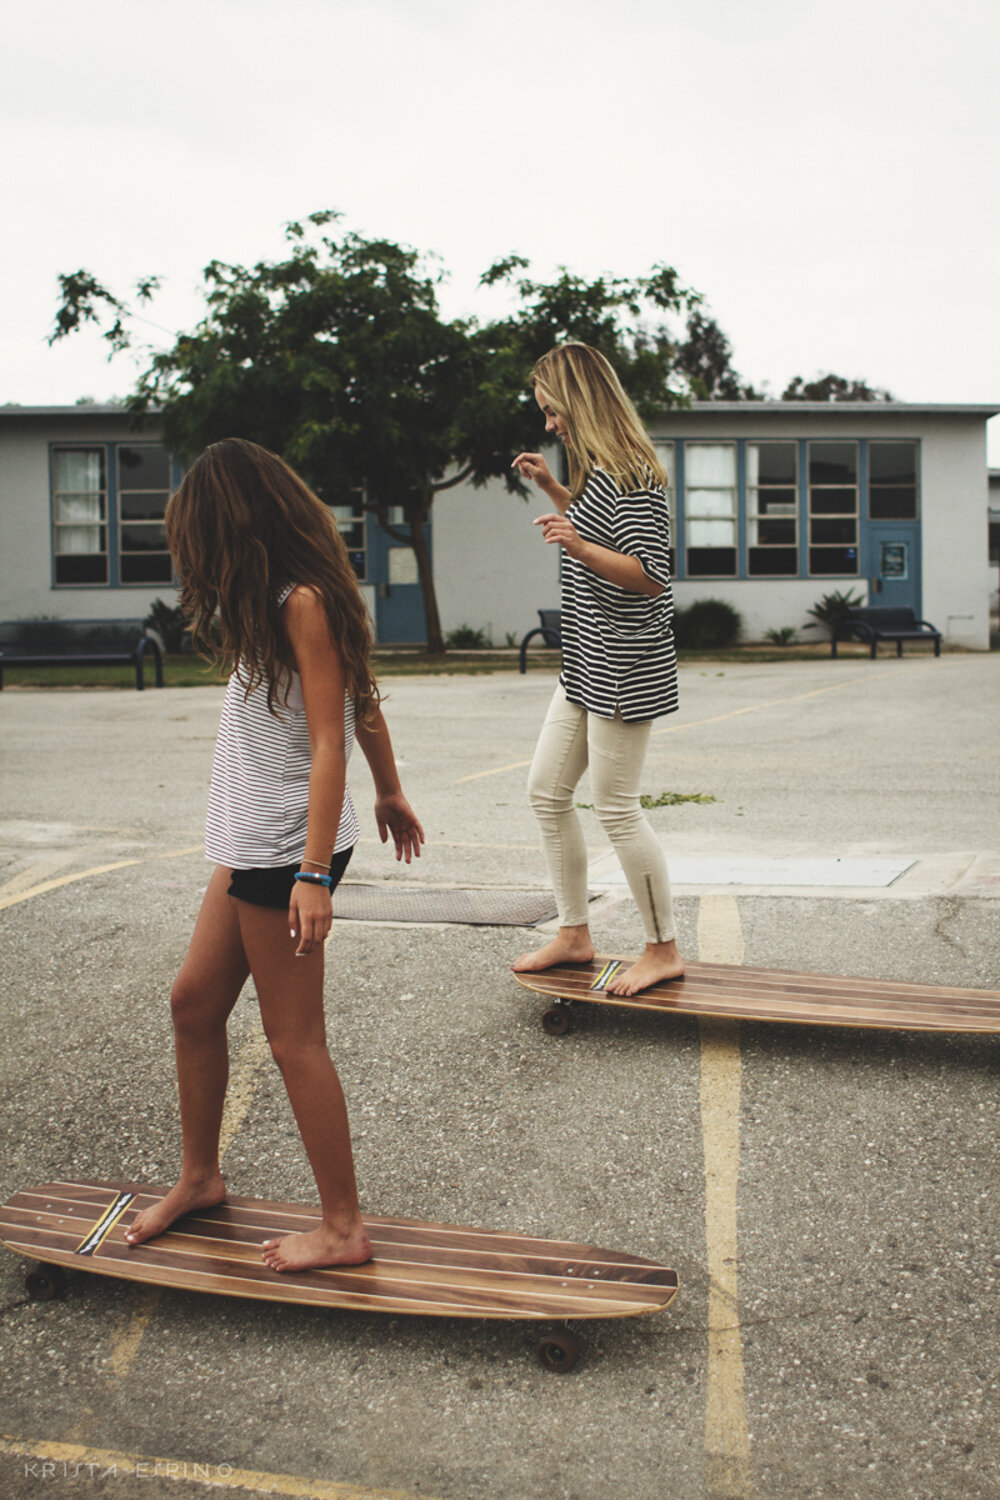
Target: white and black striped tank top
point(618, 646)
point(259, 797)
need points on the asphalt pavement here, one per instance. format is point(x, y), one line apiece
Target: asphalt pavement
point(828, 1197)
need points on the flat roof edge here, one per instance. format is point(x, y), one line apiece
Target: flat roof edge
point(698, 408)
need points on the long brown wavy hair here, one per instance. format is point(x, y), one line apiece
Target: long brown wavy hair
point(605, 429)
point(240, 525)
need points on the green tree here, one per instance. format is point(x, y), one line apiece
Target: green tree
point(833, 388)
point(336, 356)
point(705, 357)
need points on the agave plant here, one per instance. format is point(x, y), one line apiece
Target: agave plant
point(832, 608)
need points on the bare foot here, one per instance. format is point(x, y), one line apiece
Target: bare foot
point(324, 1246)
point(571, 945)
point(182, 1199)
point(660, 962)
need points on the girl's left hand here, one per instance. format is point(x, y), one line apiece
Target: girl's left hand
point(395, 815)
point(310, 915)
point(557, 529)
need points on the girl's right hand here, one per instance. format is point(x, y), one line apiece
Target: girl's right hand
point(310, 915)
point(533, 466)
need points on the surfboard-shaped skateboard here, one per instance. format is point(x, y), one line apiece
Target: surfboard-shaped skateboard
point(441, 1270)
point(770, 995)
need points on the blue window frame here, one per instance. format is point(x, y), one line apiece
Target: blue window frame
point(107, 507)
point(786, 507)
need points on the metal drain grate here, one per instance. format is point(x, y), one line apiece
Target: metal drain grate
point(482, 908)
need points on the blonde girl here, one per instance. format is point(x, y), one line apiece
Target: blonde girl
point(266, 581)
point(619, 668)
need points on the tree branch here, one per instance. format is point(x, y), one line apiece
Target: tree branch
point(459, 478)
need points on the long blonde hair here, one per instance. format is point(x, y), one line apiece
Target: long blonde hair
point(240, 525)
point(604, 428)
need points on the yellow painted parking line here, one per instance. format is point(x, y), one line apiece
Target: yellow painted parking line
point(515, 765)
point(756, 708)
point(61, 880)
point(250, 1062)
point(33, 874)
point(727, 1438)
point(14, 892)
point(50, 1461)
point(732, 713)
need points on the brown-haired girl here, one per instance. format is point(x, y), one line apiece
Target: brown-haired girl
point(268, 586)
point(619, 669)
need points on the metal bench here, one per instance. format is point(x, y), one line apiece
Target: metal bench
point(881, 623)
point(80, 643)
point(550, 630)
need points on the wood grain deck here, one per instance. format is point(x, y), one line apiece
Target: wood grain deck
point(432, 1269)
point(782, 995)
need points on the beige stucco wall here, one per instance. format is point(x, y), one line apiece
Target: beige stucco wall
point(492, 570)
point(955, 572)
point(26, 590)
point(493, 573)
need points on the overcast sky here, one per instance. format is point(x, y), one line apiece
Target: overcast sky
point(824, 173)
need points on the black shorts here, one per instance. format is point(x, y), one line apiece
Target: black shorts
point(274, 887)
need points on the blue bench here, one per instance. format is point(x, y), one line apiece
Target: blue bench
point(79, 643)
point(550, 630)
point(882, 623)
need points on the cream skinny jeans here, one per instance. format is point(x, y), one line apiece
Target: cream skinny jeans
point(572, 739)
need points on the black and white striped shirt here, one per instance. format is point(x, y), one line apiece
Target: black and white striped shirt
point(618, 646)
point(259, 797)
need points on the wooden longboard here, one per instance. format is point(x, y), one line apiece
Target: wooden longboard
point(771, 995)
point(441, 1270)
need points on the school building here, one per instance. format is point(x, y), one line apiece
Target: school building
point(773, 505)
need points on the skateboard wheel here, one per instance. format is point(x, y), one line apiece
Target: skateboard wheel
point(556, 1020)
point(559, 1351)
point(44, 1283)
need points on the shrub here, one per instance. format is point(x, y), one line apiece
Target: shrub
point(832, 608)
point(466, 639)
point(781, 637)
point(170, 625)
point(706, 625)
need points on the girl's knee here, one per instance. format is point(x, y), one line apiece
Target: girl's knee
point(188, 1004)
point(622, 821)
point(293, 1054)
point(547, 800)
point(196, 1007)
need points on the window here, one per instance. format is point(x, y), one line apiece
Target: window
point(666, 455)
point(143, 491)
point(772, 510)
point(350, 521)
point(892, 481)
point(108, 503)
point(710, 509)
point(833, 509)
point(79, 516)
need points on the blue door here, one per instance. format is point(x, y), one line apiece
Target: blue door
point(399, 600)
point(894, 564)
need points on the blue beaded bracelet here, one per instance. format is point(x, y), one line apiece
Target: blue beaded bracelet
point(312, 878)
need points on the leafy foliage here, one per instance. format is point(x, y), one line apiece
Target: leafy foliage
point(707, 624)
point(466, 638)
point(706, 358)
point(336, 356)
point(170, 625)
point(833, 388)
point(832, 608)
point(674, 799)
